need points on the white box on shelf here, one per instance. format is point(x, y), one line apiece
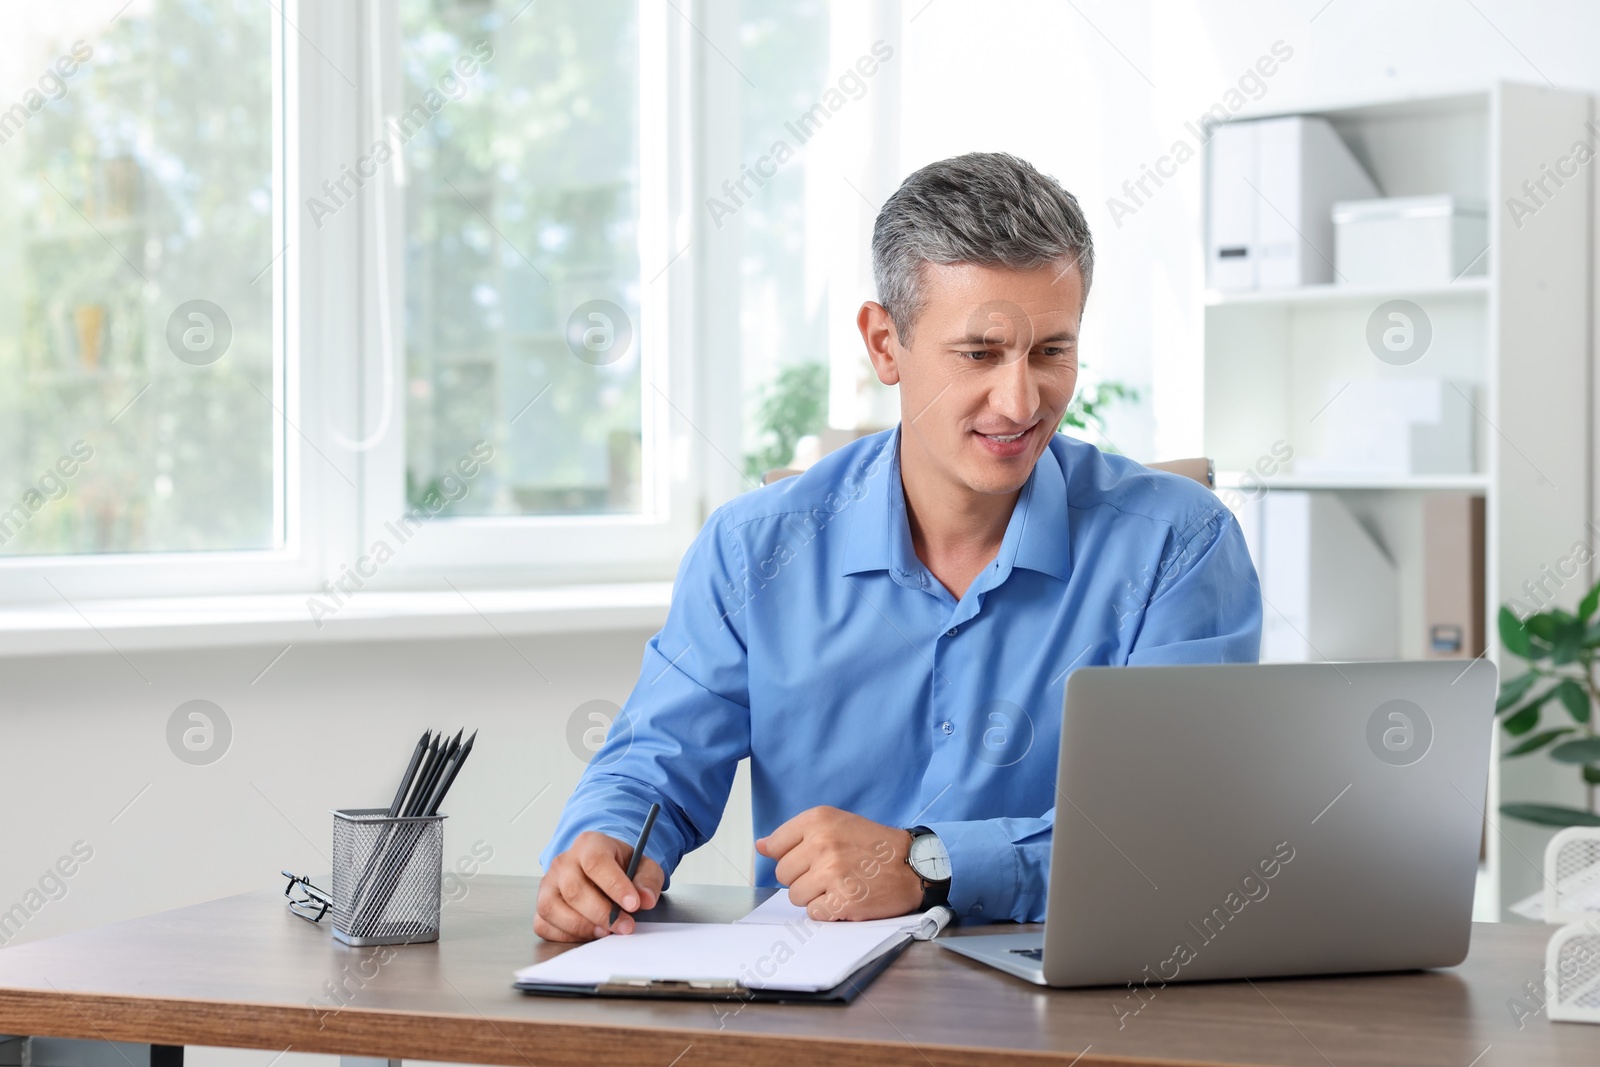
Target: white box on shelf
point(1395, 427)
point(1409, 240)
point(1271, 187)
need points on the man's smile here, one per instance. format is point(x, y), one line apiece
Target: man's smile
point(1006, 445)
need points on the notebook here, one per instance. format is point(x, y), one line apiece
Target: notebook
point(773, 953)
point(922, 926)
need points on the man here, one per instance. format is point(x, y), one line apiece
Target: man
point(887, 635)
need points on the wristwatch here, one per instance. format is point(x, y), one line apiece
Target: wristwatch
point(929, 860)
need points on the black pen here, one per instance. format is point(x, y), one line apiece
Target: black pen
point(638, 852)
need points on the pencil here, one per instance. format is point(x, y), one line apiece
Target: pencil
point(449, 776)
point(395, 807)
point(411, 771)
point(398, 849)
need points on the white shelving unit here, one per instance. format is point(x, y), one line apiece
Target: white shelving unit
point(1467, 288)
point(1515, 338)
point(1456, 483)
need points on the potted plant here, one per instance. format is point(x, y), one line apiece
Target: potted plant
point(1560, 650)
point(1089, 404)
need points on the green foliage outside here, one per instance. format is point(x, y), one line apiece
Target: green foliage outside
point(144, 183)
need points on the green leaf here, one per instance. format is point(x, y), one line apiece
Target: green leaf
point(792, 405)
point(1514, 635)
point(1591, 636)
point(1512, 691)
point(1523, 720)
point(1084, 413)
point(1586, 750)
point(1538, 741)
point(1568, 638)
point(1543, 625)
point(1575, 697)
point(1590, 603)
point(1592, 775)
point(1550, 815)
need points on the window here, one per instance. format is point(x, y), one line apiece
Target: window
point(522, 255)
point(782, 306)
point(289, 271)
point(138, 339)
point(541, 292)
point(817, 154)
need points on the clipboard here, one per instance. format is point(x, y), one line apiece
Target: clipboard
point(730, 989)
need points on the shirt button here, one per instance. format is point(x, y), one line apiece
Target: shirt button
point(976, 909)
point(948, 727)
point(952, 631)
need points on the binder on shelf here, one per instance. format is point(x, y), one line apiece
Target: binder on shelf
point(1270, 195)
point(1453, 575)
point(1231, 224)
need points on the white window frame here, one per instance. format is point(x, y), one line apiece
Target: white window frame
point(332, 501)
point(303, 484)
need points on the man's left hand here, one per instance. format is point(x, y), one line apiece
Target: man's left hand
point(839, 865)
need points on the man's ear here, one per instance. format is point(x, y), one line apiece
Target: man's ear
point(882, 341)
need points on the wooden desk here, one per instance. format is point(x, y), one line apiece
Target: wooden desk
point(244, 972)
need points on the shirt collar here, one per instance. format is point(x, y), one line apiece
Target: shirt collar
point(1036, 537)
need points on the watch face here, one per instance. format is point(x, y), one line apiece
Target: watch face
point(929, 858)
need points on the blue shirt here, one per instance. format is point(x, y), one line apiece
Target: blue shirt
point(806, 634)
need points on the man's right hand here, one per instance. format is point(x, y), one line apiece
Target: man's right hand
point(583, 883)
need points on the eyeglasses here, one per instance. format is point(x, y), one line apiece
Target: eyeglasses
point(305, 899)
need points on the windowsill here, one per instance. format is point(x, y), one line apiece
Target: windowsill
point(217, 622)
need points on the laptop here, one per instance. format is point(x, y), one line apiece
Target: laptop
point(1251, 821)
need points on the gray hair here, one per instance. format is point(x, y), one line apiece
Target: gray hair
point(989, 208)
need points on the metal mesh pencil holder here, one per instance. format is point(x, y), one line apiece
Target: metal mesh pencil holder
point(1572, 974)
point(1572, 875)
point(386, 877)
point(1572, 896)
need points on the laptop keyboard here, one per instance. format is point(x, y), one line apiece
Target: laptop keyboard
point(1035, 954)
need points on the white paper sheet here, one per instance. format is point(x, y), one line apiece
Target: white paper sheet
point(777, 910)
point(798, 958)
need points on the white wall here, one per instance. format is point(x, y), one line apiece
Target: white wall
point(327, 726)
